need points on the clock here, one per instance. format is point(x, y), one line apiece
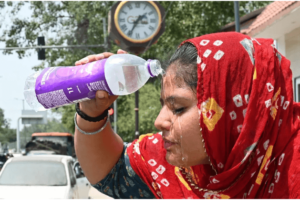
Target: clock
point(137, 21)
point(136, 25)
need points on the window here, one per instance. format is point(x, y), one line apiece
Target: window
point(297, 89)
point(32, 172)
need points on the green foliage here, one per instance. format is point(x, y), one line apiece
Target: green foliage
point(68, 117)
point(80, 22)
point(2, 5)
point(6, 134)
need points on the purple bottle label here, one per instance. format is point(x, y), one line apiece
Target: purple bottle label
point(57, 86)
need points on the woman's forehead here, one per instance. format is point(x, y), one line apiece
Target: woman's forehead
point(172, 85)
point(172, 80)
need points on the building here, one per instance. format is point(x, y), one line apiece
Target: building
point(279, 20)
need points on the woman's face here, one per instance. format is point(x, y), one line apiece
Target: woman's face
point(179, 122)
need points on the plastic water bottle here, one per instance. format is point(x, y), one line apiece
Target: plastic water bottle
point(120, 74)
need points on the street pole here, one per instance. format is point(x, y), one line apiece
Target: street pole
point(51, 47)
point(115, 115)
point(18, 136)
point(18, 130)
point(237, 17)
point(137, 134)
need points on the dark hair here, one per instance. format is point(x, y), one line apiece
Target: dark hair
point(185, 61)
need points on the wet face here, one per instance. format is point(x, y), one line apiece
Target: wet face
point(179, 122)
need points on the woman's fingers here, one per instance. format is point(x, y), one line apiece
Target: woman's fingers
point(98, 105)
point(85, 60)
point(103, 99)
point(99, 56)
point(106, 54)
point(92, 58)
point(120, 51)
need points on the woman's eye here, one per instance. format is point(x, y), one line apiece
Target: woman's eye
point(178, 111)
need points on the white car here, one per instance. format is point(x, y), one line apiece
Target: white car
point(39, 177)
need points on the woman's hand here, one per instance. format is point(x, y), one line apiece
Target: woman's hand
point(102, 100)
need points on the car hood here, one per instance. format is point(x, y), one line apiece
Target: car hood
point(33, 192)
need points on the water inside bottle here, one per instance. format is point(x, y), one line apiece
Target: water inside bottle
point(132, 79)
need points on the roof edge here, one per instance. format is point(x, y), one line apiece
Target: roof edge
point(280, 15)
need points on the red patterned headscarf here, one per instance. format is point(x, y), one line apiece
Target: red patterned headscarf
point(248, 120)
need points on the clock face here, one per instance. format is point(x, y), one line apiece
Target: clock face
point(138, 21)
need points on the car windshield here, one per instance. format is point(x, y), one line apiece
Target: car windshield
point(56, 139)
point(40, 153)
point(41, 173)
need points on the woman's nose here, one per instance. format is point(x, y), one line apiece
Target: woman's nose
point(163, 121)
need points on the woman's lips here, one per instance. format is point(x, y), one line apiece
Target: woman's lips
point(168, 144)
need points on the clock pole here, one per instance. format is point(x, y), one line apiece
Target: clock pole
point(137, 134)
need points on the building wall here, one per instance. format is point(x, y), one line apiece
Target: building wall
point(292, 45)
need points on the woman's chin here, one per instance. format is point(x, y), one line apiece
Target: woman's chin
point(179, 161)
point(175, 160)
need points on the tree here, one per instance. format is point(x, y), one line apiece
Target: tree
point(6, 134)
point(80, 22)
point(2, 4)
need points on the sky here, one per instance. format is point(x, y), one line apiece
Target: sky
point(13, 73)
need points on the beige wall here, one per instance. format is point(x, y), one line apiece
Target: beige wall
point(292, 45)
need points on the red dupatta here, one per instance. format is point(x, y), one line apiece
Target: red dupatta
point(248, 118)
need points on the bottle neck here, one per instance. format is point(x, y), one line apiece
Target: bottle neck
point(153, 67)
point(149, 67)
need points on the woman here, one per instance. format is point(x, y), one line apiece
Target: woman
point(228, 121)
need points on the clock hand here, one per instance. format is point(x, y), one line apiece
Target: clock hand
point(136, 22)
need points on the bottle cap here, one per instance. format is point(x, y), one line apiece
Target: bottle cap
point(154, 67)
